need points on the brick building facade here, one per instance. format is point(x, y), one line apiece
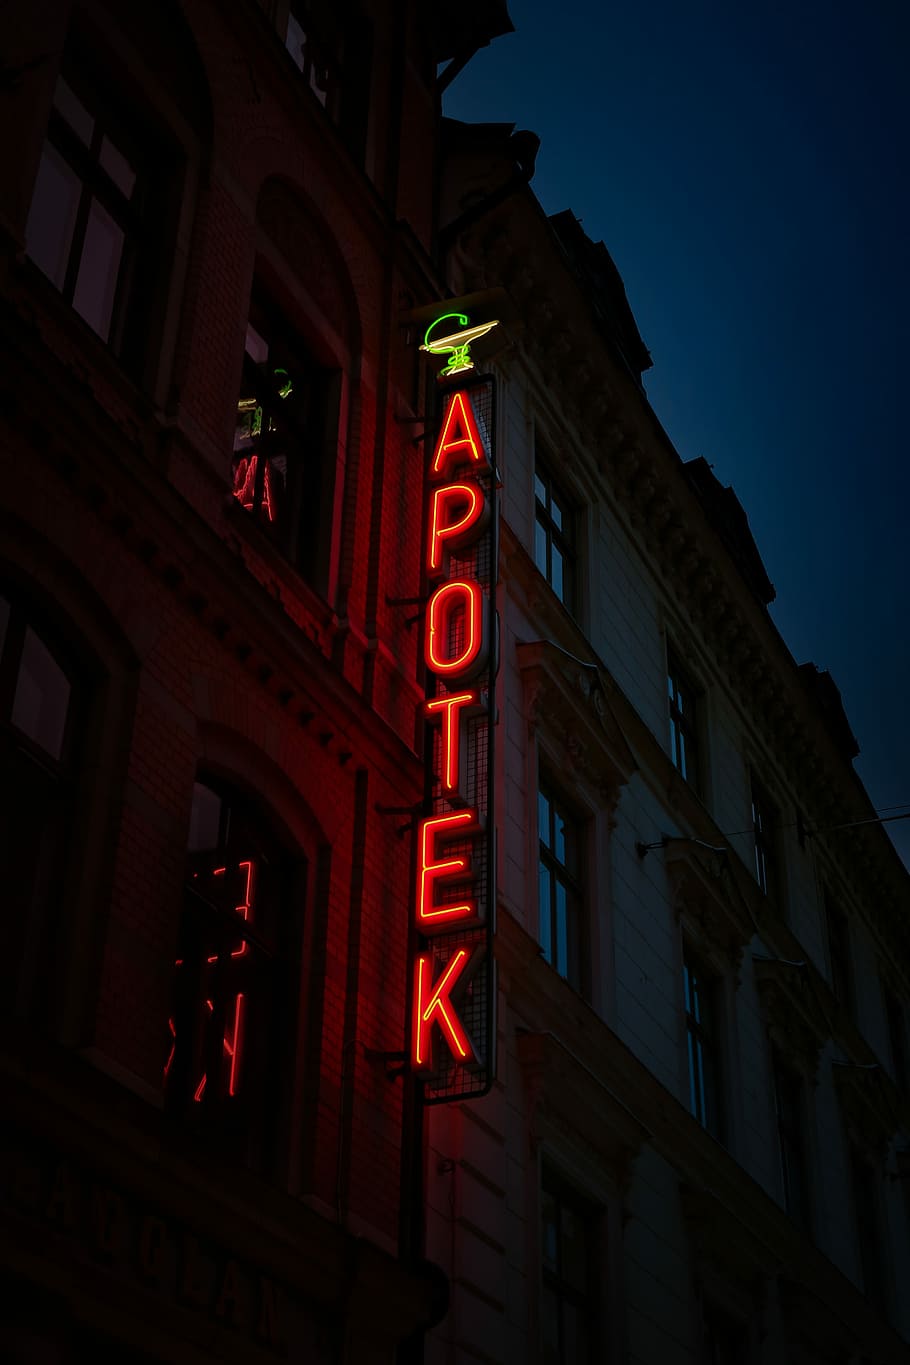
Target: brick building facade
point(213, 220)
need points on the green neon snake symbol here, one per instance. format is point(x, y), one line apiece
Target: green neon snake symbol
point(456, 344)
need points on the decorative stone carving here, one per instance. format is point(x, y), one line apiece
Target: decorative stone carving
point(708, 899)
point(563, 1093)
point(797, 1022)
point(572, 701)
point(870, 1102)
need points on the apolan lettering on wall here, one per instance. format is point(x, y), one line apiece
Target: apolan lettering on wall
point(452, 1027)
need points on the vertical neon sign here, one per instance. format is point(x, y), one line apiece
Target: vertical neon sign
point(452, 1021)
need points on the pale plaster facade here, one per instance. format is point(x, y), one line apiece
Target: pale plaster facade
point(593, 1083)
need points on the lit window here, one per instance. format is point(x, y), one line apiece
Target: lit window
point(764, 821)
point(229, 1016)
point(38, 742)
point(839, 956)
point(683, 700)
point(554, 537)
point(559, 886)
point(568, 1303)
point(90, 223)
point(279, 434)
point(702, 1046)
point(791, 1139)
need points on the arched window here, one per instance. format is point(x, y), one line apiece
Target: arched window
point(231, 1029)
point(39, 739)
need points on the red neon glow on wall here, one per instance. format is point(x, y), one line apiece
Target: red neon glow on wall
point(450, 709)
point(459, 440)
point(433, 1005)
point(245, 485)
point(432, 869)
point(445, 500)
point(456, 598)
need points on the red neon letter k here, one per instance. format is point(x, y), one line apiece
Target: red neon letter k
point(433, 1005)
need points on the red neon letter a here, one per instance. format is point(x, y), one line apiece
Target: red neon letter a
point(433, 1005)
point(459, 440)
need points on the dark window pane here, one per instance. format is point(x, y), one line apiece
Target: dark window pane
point(52, 216)
point(544, 913)
point(205, 819)
point(540, 548)
point(73, 111)
point(562, 930)
point(574, 1249)
point(549, 1328)
point(99, 269)
point(42, 696)
point(118, 167)
point(549, 1231)
point(543, 818)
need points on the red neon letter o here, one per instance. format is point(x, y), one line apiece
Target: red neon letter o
point(449, 599)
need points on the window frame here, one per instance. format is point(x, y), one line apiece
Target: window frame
point(765, 822)
point(303, 435)
point(896, 1022)
point(565, 873)
point(840, 957)
point(144, 218)
point(792, 1139)
point(561, 532)
point(685, 727)
point(48, 784)
point(702, 989)
point(565, 1292)
point(867, 1222)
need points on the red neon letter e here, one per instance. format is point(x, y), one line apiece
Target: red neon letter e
point(455, 824)
point(457, 597)
point(433, 1005)
point(444, 500)
point(459, 440)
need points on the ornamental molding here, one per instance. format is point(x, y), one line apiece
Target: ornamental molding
point(870, 1103)
point(708, 902)
point(727, 1249)
point(797, 1023)
point(570, 701)
point(565, 1097)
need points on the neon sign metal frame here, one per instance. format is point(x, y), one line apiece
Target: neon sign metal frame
point(452, 1026)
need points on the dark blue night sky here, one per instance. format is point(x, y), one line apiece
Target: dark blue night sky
point(747, 167)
